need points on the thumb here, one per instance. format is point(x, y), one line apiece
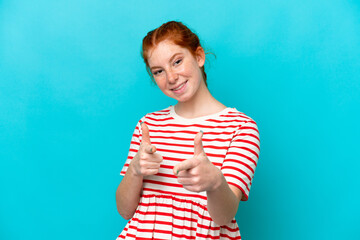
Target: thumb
point(184, 165)
point(145, 133)
point(198, 146)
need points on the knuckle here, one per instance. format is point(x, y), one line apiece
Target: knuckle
point(143, 156)
point(151, 172)
point(142, 164)
point(157, 160)
point(193, 188)
point(197, 161)
point(156, 157)
point(194, 172)
point(197, 189)
point(196, 180)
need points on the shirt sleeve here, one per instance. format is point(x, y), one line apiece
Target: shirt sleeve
point(134, 147)
point(242, 156)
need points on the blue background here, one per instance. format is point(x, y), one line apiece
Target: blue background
point(73, 86)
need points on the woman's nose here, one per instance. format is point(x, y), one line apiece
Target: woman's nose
point(172, 76)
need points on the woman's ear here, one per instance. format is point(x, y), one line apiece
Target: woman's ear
point(200, 56)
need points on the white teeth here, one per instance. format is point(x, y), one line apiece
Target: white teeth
point(175, 89)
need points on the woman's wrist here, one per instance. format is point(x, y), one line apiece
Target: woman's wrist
point(217, 180)
point(132, 171)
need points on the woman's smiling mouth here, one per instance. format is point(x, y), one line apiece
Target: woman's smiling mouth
point(179, 88)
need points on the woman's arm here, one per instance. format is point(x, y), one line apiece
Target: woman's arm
point(128, 193)
point(198, 174)
point(223, 201)
point(238, 168)
point(146, 162)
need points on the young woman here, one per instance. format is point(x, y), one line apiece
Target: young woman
point(189, 165)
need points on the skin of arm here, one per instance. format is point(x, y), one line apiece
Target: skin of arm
point(146, 162)
point(128, 194)
point(223, 201)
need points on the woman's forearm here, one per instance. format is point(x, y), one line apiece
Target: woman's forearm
point(146, 162)
point(222, 203)
point(128, 193)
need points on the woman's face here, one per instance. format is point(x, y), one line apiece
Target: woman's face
point(176, 71)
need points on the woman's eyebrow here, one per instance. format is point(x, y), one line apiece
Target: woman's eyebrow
point(170, 60)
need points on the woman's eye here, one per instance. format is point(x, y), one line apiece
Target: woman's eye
point(177, 61)
point(157, 72)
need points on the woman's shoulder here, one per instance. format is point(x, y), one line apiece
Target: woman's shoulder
point(234, 114)
point(157, 114)
point(245, 125)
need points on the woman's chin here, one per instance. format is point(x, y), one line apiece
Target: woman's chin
point(181, 99)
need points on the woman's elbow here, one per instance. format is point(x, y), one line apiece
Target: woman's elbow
point(125, 216)
point(224, 221)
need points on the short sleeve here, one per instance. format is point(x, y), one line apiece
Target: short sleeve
point(134, 147)
point(242, 156)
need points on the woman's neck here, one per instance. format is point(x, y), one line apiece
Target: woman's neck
point(202, 104)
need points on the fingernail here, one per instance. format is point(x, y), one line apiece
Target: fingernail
point(177, 172)
point(201, 131)
point(141, 123)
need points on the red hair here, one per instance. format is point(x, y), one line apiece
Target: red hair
point(173, 31)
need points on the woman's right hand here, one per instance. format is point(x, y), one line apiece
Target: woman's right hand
point(146, 162)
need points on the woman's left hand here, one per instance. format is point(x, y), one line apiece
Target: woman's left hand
point(198, 174)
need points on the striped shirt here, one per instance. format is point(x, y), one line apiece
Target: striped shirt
point(168, 211)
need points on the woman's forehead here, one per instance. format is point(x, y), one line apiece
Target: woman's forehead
point(163, 51)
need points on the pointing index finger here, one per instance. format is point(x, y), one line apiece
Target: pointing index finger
point(150, 149)
point(145, 133)
point(184, 165)
point(198, 146)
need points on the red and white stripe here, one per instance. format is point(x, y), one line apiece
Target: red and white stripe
point(167, 210)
